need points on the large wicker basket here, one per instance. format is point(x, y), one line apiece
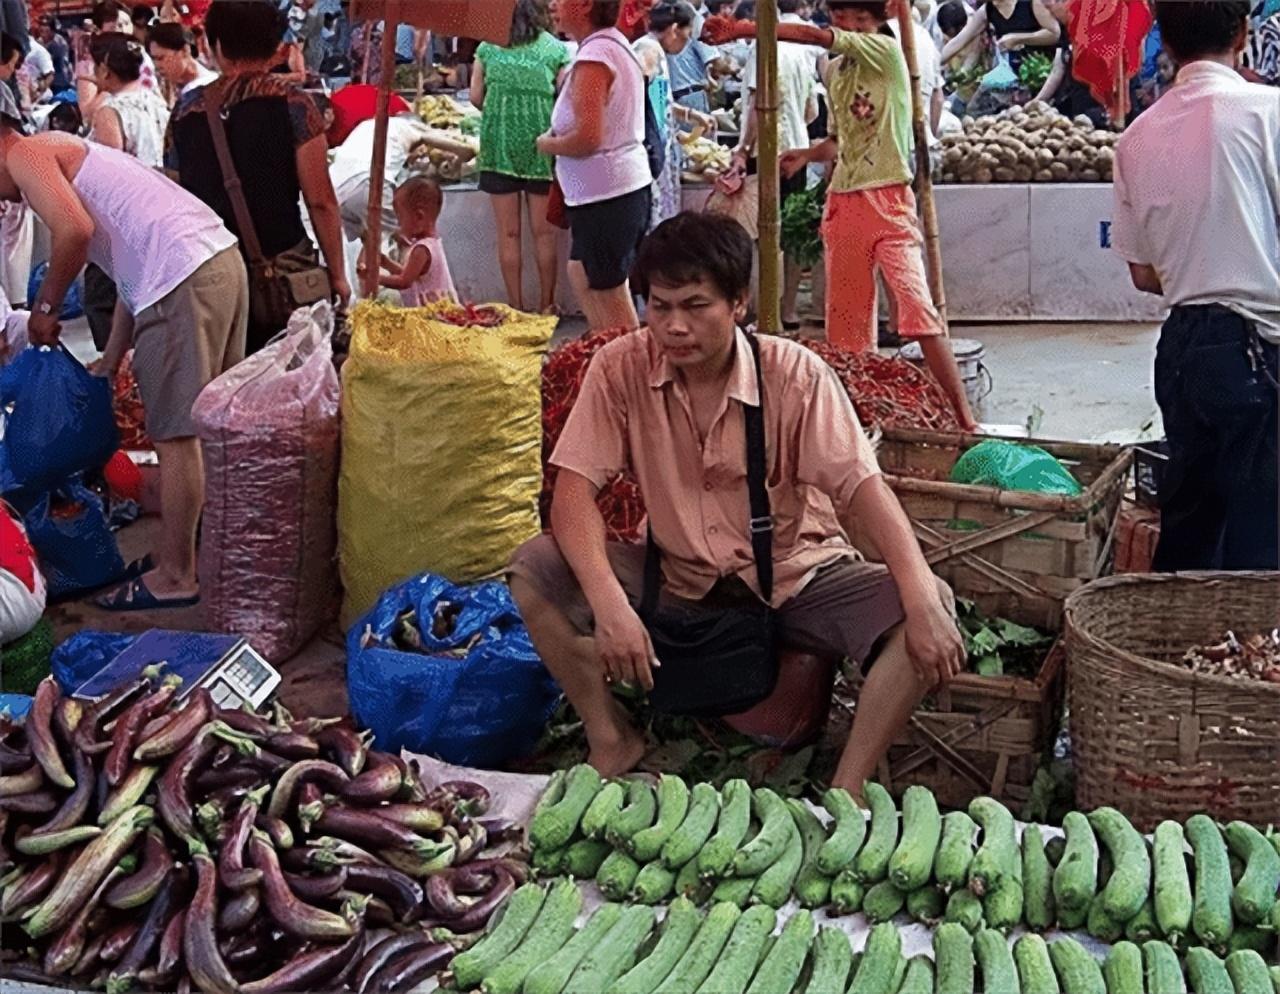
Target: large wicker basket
point(1153, 738)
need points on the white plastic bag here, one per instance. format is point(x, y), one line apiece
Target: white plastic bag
point(270, 433)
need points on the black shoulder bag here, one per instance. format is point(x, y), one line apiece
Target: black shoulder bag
point(718, 662)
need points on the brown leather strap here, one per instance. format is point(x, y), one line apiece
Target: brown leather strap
point(230, 178)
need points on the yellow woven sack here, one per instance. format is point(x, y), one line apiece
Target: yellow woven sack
point(441, 446)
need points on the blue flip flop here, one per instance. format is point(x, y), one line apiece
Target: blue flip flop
point(135, 596)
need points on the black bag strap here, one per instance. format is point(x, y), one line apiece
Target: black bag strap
point(761, 523)
point(213, 103)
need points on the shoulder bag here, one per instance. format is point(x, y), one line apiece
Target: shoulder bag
point(280, 285)
point(719, 661)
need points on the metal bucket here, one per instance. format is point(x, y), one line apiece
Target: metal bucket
point(970, 355)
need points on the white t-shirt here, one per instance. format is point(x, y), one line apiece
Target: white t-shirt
point(621, 165)
point(1211, 226)
point(203, 78)
point(353, 158)
point(38, 61)
point(149, 234)
point(797, 76)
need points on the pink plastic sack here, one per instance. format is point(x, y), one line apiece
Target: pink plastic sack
point(270, 433)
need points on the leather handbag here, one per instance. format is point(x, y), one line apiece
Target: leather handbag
point(718, 661)
point(280, 285)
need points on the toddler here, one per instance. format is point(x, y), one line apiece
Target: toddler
point(423, 276)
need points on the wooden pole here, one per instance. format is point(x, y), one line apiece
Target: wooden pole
point(920, 133)
point(368, 44)
point(769, 313)
point(378, 168)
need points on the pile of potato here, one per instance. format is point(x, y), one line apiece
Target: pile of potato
point(1031, 144)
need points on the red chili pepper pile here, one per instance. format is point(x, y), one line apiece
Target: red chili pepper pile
point(470, 316)
point(126, 400)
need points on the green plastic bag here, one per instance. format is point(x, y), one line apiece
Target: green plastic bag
point(1010, 466)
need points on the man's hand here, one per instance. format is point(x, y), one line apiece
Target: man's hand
point(106, 366)
point(793, 161)
point(1011, 43)
point(626, 653)
point(43, 329)
point(722, 29)
point(341, 289)
point(543, 141)
point(705, 121)
point(934, 644)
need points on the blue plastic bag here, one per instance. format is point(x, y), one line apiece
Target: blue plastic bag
point(477, 695)
point(83, 655)
point(15, 706)
point(75, 545)
point(62, 423)
point(72, 304)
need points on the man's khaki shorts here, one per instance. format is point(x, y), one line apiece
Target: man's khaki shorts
point(844, 610)
point(187, 339)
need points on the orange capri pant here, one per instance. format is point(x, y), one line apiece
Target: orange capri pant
point(865, 231)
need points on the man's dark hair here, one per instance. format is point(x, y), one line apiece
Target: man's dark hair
point(171, 37)
point(530, 20)
point(143, 14)
point(1192, 29)
point(745, 11)
point(66, 117)
point(119, 53)
point(790, 6)
point(9, 46)
point(604, 13)
point(245, 30)
point(690, 247)
point(876, 8)
point(106, 12)
point(717, 6)
point(663, 16)
point(952, 17)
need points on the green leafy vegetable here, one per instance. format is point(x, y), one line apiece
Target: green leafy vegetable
point(801, 216)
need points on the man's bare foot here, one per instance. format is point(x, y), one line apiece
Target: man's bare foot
point(618, 756)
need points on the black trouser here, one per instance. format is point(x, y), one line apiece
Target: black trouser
point(99, 304)
point(1216, 382)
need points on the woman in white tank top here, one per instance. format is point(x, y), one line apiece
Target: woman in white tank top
point(128, 117)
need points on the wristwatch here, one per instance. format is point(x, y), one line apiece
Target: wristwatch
point(44, 307)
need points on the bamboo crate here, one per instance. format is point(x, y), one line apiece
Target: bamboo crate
point(982, 735)
point(1020, 554)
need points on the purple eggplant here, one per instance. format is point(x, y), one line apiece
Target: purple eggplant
point(345, 747)
point(232, 872)
point(277, 829)
point(76, 804)
point(247, 722)
point(381, 953)
point(400, 891)
point(39, 802)
point(410, 968)
point(420, 817)
point(365, 827)
point(33, 886)
point(310, 806)
point(125, 736)
point(328, 776)
point(478, 914)
point(180, 731)
point(519, 871)
point(200, 941)
point(29, 780)
point(140, 887)
point(307, 971)
point(241, 774)
point(14, 760)
point(118, 940)
point(501, 830)
point(171, 944)
point(293, 745)
point(294, 916)
point(39, 727)
point(469, 800)
point(381, 781)
point(317, 888)
point(239, 912)
point(150, 932)
point(173, 796)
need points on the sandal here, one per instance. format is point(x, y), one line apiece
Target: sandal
point(135, 596)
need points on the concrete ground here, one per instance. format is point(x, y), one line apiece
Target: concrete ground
point(1071, 381)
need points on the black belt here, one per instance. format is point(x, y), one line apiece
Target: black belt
point(678, 94)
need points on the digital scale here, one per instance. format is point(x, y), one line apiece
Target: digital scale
point(227, 665)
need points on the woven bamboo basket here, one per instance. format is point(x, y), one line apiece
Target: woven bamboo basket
point(1153, 738)
point(1018, 555)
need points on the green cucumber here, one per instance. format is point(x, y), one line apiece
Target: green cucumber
point(617, 875)
point(831, 962)
point(605, 806)
point(518, 916)
point(675, 937)
point(552, 792)
point(615, 955)
point(735, 890)
point(882, 962)
point(1035, 968)
point(964, 908)
point(1248, 971)
point(812, 886)
point(551, 930)
point(1275, 977)
point(673, 805)
point(637, 814)
point(700, 958)
point(716, 858)
point(995, 963)
point(1002, 908)
point(1171, 883)
point(847, 893)
point(1037, 881)
point(1211, 917)
point(927, 905)
point(1101, 925)
point(872, 862)
point(781, 968)
point(845, 841)
point(1122, 969)
point(654, 884)
point(584, 858)
point(689, 884)
point(553, 973)
point(998, 855)
point(1206, 973)
point(1143, 926)
point(554, 826)
point(771, 841)
point(882, 902)
point(550, 862)
point(1255, 894)
point(741, 954)
point(1078, 972)
point(1130, 881)
point(955, 850)
point(1163, 971)
point(919, 976)
point(687, 840)
point(773, 886)
point(1075, 881)
point(953, 959)
point(912, 861)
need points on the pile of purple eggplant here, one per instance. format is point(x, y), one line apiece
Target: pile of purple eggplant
point(149, 842)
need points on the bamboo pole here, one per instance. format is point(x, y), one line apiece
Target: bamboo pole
point(920, 133)
point(378, 168)
point(769, 313)
point(368, 44)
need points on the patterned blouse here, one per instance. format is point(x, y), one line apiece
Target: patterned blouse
point(520, 90)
